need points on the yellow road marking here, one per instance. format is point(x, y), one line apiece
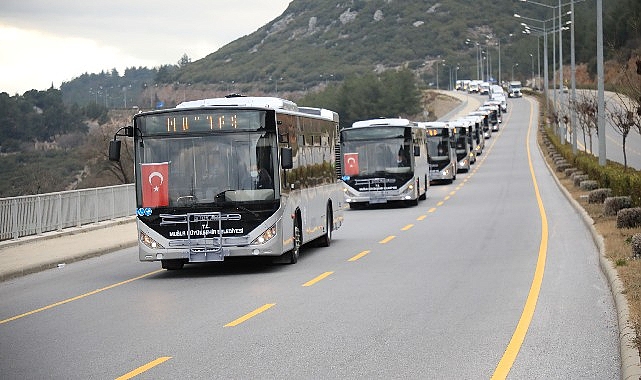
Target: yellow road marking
point(433, 208)
point(359, 256)
point(407, 227)
point(144, 368)
point(440, 203)
point(252, 314)
point(318, 278)
point(387, 239)
point(453, 192)
point(78, 297)
point(513, 348)
point(446, 198)
point(421, 217)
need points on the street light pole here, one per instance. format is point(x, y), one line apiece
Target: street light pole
point(600, 83)
point(573, 80)
point(532, 61)
point(561, 121)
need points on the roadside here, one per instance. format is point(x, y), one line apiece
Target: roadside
point(622, 271)
point(36, 253)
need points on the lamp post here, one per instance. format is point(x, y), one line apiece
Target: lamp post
point(532, 61)
point(572, 57)
point(600, 84)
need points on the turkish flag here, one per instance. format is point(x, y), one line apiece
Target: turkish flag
point(350, 160)
point(155, 186)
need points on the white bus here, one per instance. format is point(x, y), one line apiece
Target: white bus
point(441, 151)
point(234, 176)
point(384, 160)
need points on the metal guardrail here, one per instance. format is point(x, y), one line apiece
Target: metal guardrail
point(36, 214)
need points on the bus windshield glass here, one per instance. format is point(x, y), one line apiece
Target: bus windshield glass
point(183, 170)
point(438, 143)
point(377, 150)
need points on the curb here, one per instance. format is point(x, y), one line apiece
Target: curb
point(42, 266)
point(49, 263)
point(630, 358)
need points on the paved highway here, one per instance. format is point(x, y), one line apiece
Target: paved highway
point(493, 275)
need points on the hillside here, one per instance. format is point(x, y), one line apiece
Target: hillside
point(317, 42)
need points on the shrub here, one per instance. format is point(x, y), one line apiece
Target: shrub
point(580, 178)
point(588, 184)
point(629, 217)
point(636, 245)
point(576, 173)
point(599, 195)
point(612, 205)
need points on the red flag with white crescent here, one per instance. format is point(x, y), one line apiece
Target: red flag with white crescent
point(351, 163)
point(155, 186)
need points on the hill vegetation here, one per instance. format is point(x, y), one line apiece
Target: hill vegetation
point(361, 58)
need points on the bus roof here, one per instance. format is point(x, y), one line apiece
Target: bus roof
point(242, 101)
point(434, 124)
point(322, 112)
point(382, 122)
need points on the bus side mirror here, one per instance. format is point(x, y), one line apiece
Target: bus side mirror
point(114, 145)
point(286, 160)
point(114, 150)
point(417, 151)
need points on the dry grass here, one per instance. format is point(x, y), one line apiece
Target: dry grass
point(617, 245)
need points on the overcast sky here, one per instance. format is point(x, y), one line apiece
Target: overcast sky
point(51, 41)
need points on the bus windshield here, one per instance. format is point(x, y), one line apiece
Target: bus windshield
point(187, 170)
point(377, 150)
point(438, 147)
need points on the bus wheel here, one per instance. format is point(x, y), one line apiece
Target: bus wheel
point(295, 252)
point(172, 264)
point(326, 239)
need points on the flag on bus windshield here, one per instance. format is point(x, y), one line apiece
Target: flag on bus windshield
point(351, 163)
point(155, 186)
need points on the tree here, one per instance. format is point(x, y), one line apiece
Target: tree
point(184, 60)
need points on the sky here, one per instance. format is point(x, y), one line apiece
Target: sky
point(47, 42)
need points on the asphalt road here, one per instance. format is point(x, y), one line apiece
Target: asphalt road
point(494, 274)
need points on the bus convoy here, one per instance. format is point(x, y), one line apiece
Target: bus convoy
point(260, 176)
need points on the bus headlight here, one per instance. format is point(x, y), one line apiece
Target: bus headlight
point(265, 236)
point(149, 242)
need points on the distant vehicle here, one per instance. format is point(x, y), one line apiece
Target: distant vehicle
point(484, 88)
point(496, 89)
point(500, 97)
point(476, 127)
point(493, 116)
point(441, 153)
point(498, 106)
point(474, 86)
point(463, 144)
point(514, 89)
point(236, 176)
point(384, 160)
point(485, 122)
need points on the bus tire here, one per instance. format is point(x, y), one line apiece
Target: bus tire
point(424, 195)
point(326, 239)
point(172, 264)
point(292, 256)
